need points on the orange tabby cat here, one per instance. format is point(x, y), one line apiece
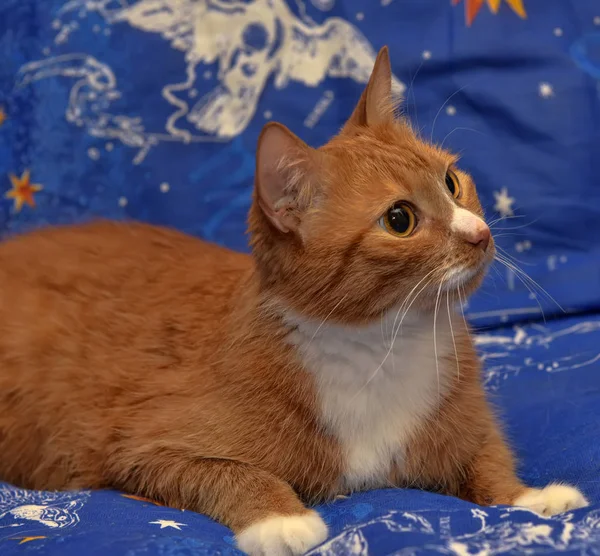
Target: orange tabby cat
point(331, 360)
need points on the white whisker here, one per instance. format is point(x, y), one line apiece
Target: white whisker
point(407, 298)
point(411, 91)
point(520, 272)
point(462, 307)
point(461, 129)
point(513, 269)
point(516, 227)
point(442, 107)
point(510, 257)
point(496, 220)
point(435, 312)
point(452, 333)
point(325, 319)
point(393, 338)
point(522, 234)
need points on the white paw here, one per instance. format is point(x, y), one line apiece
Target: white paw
point(551, 500)
point(283, 535)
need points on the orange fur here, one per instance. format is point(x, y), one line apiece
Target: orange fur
point(138, 358)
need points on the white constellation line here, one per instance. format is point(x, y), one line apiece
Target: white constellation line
point(501, 313)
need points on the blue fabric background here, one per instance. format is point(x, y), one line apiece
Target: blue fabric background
point(150, 110)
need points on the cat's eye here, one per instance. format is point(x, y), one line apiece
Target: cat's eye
point(399, 220)
point(453, 184)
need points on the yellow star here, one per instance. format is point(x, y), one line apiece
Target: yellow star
point(494, 5)
point(518, 7)
point(22, 190)
point(3, 116)
point(472, 7)
point(28, 539)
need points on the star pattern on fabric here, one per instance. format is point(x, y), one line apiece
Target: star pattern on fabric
point(546, 90)
point(472, 8)
point(29, 539)
point(164, 523)
point(23, 190)
point(504, 203)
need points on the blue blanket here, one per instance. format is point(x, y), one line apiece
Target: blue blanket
point(150, 110)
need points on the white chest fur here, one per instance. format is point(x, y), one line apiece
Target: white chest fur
point(374, 396)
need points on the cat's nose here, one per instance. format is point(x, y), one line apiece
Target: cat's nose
point(479, 235)
point(471, 228)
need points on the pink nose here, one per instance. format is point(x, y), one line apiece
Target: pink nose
point(479, 235)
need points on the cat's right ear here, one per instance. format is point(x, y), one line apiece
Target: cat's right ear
point(284, 168)
point(376, 104)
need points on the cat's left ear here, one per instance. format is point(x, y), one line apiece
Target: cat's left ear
point(285, 170)
point(376, 104)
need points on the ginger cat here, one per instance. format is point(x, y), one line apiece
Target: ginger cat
point(249, 387)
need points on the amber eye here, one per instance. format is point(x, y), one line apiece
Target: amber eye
point(453, 184)
point(399, 220)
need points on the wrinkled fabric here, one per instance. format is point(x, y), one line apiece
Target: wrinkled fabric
point(150, 110)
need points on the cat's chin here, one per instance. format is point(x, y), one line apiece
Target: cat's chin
point(465, 280)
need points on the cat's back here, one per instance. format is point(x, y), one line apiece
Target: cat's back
point(115, 259)
point(112, 250)
point(105, 290)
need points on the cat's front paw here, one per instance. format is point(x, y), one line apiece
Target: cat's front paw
point(551, 500)
point(283, 535)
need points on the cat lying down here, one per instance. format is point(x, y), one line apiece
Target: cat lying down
point(331, 360)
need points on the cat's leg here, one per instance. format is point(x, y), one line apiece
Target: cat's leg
point(264, 512)
point(491, 479)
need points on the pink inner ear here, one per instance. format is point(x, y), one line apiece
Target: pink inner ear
point(271, 151)
point(277, 150)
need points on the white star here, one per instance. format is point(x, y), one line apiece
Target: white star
point(426, 55)
point(168, 523)
point(546, 90)
point(451, 111)
point(164, 187)
point(597, 20)
point(93, 153)
point(558, 32)
point(504, 203)
point(123, 201)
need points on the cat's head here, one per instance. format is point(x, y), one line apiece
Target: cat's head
point(376, 215)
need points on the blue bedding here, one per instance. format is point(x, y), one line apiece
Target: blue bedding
point(150, 110)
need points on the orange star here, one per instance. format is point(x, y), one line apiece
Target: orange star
point(3, 116)
point(28, 539)
point(472, 8)
point(22, 190)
